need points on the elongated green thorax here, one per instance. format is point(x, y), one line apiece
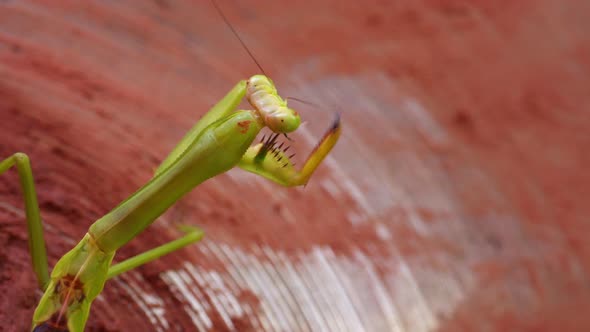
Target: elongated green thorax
point(217, 149)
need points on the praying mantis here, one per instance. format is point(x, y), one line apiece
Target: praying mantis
point(219, 141)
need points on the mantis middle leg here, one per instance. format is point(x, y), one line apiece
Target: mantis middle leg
point(193, 234)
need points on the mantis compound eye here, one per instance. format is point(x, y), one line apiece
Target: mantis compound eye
point(284, 121)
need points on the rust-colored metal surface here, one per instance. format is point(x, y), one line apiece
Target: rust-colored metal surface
point(456, 199)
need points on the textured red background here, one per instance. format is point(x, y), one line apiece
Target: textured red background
point(464, 153)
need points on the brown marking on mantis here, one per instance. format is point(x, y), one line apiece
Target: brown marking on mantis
point(70, 289)
point(244, 126)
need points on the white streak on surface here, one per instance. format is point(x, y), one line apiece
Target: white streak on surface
point(318, 290)
point(150, 304)
point(214, 289)
point(383, 298)
point(183, 292)
point(236, 282)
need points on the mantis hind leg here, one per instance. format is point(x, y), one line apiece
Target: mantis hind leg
point(34, 226)
point(193, 234)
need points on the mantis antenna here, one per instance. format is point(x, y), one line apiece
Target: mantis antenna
point(237, 35)
point(226, 20)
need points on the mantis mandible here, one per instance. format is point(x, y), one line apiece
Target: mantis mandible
point(219, 141)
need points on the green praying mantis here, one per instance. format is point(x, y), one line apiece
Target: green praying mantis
point(219, 141)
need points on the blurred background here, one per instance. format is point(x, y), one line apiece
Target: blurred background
point(456, 199)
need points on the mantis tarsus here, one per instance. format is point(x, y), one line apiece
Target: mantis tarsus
point(220, 140)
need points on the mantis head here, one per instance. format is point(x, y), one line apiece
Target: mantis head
point(263, 96)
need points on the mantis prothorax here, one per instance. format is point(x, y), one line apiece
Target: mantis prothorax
point(219, 141)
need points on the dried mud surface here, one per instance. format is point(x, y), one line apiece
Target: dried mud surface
point(473, 113)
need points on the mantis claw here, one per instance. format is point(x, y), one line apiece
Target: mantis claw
point(278, 167)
